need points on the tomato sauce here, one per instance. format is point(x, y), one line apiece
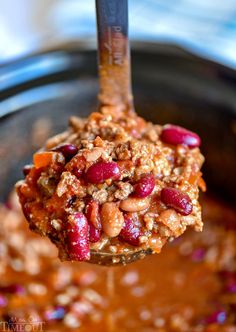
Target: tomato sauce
point(189, 286)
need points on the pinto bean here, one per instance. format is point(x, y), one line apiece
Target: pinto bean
point(134, 204)
point(112, 219)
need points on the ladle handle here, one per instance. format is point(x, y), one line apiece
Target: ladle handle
point(114, 53)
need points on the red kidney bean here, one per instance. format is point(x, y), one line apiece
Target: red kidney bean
point(217, 317)
point(198, 255)
point(93, 215)
point(231, 287)
point(94, 233)
point(227, 275)
point(229, 279)
point(67, 149)
point(77, 172)
point(175, 135)
point(144, 186)
point(130, 232)
point(3, 301)
point(101, 171)
point(177, 200)
point(13, 289)
point(27, 169)
point(77, 229)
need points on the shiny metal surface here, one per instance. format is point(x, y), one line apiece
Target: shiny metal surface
point(109, 259)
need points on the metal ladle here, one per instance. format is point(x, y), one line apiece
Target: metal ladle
point(110, 259)
point(115, 87)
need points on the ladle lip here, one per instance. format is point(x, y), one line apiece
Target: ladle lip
point(110, 259)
